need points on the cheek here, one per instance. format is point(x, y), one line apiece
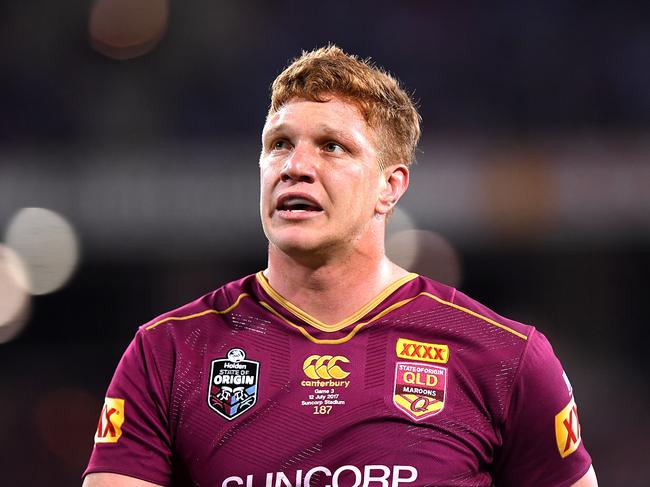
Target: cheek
point(266, 191)
point(360, 197)
point(266, 181)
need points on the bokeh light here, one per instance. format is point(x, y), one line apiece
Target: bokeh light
point(401, 251)
point(424, 252)
point(427, 253)
point(519, 195)
point(14, 298)
point(125, 29)
point(398, 221)
point(47, 245)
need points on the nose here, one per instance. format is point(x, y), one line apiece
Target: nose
point(299, 166)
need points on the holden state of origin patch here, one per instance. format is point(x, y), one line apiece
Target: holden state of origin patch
point(233, 384)
point(419, 389)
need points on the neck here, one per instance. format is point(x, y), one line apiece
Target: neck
point(331, 289)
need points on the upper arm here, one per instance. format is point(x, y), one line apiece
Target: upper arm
point(133, 432)
point(114, 480)
point(542, 442)
point(588, 480)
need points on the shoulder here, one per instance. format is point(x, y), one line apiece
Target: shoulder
point(472, 315)
point(493, 341)
point(486, 349)
point(200, 311)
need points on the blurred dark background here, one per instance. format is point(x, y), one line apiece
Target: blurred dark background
point(129, 137)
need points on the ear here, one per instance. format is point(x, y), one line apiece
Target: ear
point(394, 182)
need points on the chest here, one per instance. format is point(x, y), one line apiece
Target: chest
point(387, 406)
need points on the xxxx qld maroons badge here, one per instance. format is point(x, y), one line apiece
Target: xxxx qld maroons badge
point(233, 384)
point(419, 389)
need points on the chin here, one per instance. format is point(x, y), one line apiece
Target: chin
point(299, 244)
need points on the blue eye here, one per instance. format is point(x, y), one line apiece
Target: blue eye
point(333, 147)
point(280, 144)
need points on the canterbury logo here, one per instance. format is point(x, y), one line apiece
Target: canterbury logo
point(325, 367)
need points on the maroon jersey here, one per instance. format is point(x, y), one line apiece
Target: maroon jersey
point(421, 387)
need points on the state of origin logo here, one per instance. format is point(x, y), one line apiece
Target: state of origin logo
point(233, 384)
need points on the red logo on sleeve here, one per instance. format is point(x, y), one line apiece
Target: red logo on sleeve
point(567, 429)
point(109, 427)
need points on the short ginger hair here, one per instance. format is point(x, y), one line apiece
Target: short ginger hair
point(383, 103)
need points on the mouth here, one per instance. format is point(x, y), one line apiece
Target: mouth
point(294, 204)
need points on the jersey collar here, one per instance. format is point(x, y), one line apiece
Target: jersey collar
point(316, 323)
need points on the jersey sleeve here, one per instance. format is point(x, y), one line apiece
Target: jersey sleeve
point(542, 442)
point(132, 435)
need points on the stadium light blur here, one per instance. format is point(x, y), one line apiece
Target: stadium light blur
point(401, 251)
point(426, 253)
point(14, 298)
point(47, 245)
point(398, 221)
point(126, 29)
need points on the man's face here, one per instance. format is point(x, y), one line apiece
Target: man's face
point(320, 179)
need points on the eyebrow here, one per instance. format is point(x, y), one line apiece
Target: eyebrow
point(335, 132)
point(273, 130)
point(323, 128)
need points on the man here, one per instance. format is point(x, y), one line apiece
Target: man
point(334, 366)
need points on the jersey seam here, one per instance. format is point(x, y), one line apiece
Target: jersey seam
point(168, 393)
point(162, 321)
point(508, 402)
point(524, 354)
point(475, 314)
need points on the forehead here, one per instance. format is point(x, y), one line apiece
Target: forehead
point(335, 114)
